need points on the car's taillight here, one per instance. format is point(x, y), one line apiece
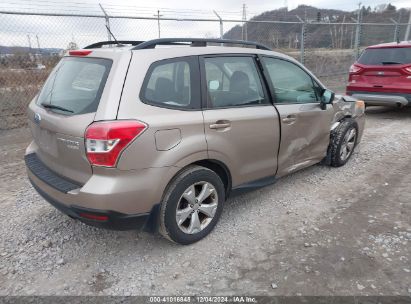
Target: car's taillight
point(408, 69)
point(105, 141)
point(355, 69)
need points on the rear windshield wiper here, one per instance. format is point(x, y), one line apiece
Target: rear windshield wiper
point(50, 106)
point(391, 62)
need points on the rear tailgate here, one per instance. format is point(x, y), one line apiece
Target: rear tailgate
point(384, 78)
point(383, 70)
point(80, 90)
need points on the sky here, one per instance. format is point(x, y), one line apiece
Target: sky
point(59, 31)
point(256, 6)
point(227, 8)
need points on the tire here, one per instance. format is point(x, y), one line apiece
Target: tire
point(183, 195)
point(339, 153)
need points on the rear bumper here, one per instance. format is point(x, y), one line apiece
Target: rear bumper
point(112, 220)
point(119, 200)
point(382, 99)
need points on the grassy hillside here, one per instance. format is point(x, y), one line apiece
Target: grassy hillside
point(322, 35)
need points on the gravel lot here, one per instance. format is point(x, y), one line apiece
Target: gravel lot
point(321, 231)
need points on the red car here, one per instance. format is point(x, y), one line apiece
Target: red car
point(382, 75)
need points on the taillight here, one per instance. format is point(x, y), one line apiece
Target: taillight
point(80, 52)
point(355, 69)
point(105, 141)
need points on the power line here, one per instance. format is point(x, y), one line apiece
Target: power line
point(50, 2)
point(112, 8)
point(45, 5)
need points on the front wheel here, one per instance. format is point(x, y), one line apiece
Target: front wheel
point(343, 142)
point(192, 205)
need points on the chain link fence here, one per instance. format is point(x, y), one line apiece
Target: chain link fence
point(32, 43)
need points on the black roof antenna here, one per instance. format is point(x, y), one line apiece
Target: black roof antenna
point(108, 29)
point(107, 24)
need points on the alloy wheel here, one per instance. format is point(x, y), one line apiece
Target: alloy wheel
point(196, 207)
point(347, 146)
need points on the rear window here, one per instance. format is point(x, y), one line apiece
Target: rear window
point(386, 56)
point(75, 85)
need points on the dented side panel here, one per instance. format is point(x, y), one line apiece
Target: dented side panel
point(304, 141)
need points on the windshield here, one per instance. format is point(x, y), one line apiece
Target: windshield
point(75, 85)
point(385, 56)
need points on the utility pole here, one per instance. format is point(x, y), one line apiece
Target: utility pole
point(244, 27)
point(158, 22)
point(407, 32)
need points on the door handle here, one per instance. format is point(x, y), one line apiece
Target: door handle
point(289, 119)
point(220, 124)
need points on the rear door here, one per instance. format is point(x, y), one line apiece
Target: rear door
point(59, 116)
point(305, 127)
point(241, 125)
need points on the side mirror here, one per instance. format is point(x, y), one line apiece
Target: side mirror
point(327, 97)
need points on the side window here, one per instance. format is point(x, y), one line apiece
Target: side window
point(170, 83)
point(233, 81)
point(291, 83)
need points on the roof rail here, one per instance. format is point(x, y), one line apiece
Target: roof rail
point(195, 42)
point(119, 43)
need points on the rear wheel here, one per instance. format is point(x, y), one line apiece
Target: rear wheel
point(192, 205)
point(343, 142)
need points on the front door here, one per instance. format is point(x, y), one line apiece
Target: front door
point(305, 127)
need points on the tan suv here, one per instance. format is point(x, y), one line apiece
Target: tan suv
point(158, 134)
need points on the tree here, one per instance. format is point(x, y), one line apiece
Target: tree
point(380, 8)
point(364, 11)
point(390, 7)
point(72, 46)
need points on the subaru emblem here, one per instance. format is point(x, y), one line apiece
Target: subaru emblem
point(37, 118)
